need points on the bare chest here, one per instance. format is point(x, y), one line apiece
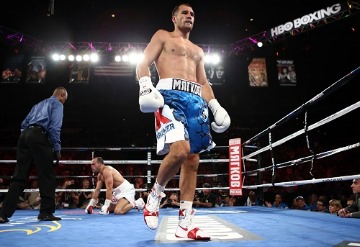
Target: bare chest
point(182, 48)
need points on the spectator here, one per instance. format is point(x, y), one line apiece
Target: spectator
point(206, 198)
point(172, 202)
point(321, 206)
point(277, 203)
point(68, 199)
point(353, 211)
point(313, 199)
point(253, 200)
point(33, 197)
point(301, 203)
point(334, 206)
point(85, 196)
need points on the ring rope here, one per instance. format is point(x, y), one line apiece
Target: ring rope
point(103, 190)
point(307, 158)
point(117, 162)
point(339, 83)
point(105, 148)
point(311, 127)
point(282, 184)
point(304, 182)
point(125, 176)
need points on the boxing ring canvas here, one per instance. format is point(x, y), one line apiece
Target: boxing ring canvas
point(229, 226)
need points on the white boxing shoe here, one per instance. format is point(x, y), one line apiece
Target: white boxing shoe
point(151, 209)
point(186, 229)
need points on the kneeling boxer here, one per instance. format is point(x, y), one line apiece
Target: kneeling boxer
point(122, 200)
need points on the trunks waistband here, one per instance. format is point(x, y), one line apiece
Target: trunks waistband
point(123, 186)
point(180, 85)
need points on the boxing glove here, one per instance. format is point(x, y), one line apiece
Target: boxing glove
point(150, 99)
point(221, 117)
point(105, 208)
point(89, 208)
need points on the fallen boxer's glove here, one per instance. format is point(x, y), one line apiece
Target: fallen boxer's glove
point(89, 208)
point(105, 208)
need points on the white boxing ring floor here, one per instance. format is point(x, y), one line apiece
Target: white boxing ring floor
point(229, 226)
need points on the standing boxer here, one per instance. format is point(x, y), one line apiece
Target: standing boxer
point(38, 142)
point(122, 200)
point(180, 101)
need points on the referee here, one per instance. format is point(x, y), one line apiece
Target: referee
point(39, 143)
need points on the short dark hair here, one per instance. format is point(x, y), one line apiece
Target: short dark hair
point(175, 10)
point(100, 160)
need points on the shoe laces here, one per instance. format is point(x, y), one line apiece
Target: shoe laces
point(186, 217)
point(154, 200)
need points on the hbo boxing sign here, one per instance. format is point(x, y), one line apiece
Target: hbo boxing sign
point(306, 19)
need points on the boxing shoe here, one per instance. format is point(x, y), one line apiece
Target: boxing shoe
point(139, 204)
point(48, 217)
point(3, 220)
point(186, 229)
point(151, 209)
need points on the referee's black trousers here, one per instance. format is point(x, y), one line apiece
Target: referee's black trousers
point(35, 148)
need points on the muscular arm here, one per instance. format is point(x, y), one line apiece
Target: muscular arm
point(207, 92)
point(109, 182)
point(151, 53)
point(221, 117)
point(99, 185)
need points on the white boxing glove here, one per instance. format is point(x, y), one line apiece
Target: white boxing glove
point(221, 117)
point(105, 208)
point(150, 99)
point(89, 208)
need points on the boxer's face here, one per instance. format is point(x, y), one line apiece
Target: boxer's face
point(184, 18)
point(95, 166)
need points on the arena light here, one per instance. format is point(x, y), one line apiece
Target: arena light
point(55, 57)
point(78, 58)
point(125, 58)
point(94, 57)
point(71, 58)
point(86, 57)
point(140, 56)
point(117, 58)
point(135, 57)
point(212, 58)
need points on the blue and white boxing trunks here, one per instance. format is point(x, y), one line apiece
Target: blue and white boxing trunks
point(185, 116)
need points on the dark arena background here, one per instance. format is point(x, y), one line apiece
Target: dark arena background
point(287, 66)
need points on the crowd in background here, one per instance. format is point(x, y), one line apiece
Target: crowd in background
point(308, 197)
